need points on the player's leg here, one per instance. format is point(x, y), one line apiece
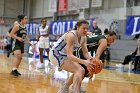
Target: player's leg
point(16, 62)
point(78, 74)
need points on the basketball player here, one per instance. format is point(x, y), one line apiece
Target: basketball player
point(97, 43)
point(19, 34)
point(62, 56)
point(43, 37)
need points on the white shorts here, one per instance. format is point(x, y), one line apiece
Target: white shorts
point(44, 42)
point(57, 60)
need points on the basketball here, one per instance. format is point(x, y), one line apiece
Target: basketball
point(97, 67)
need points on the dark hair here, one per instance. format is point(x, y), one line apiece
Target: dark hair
point(43, 19)
point(106, 31)
point(111, 33)
point(20, 17)
point(79, 23)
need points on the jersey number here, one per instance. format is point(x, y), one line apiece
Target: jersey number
point(92, 35)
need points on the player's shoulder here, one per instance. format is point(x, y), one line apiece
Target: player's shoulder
point(70, 34)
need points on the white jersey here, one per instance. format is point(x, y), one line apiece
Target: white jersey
point(59, 49)
point(43, 31)
point(43, 41)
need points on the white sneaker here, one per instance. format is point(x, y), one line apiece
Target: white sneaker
point(50, 65)
point(119, 65)
point(63, 89)
point(42, 66)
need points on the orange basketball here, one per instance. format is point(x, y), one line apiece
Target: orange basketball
point(97, 67)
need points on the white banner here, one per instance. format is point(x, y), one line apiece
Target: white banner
point(83, 4)
point(52, 5)
point(96, 3)
point(132, 25)
point(73, 4)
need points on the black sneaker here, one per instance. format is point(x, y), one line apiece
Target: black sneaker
point(14, 73)
point(17, 72)
point(8, 53)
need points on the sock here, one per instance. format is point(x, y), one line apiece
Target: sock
point(42, 64)
point(14, 69)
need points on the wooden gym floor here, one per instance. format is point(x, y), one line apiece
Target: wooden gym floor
point(48, 80)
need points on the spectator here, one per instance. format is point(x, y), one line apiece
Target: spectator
point(96, 29)
point(129, 58)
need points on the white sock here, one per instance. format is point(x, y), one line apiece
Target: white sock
point(14, 68)
point(42, 64)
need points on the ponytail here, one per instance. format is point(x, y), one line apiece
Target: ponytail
point(20, 17)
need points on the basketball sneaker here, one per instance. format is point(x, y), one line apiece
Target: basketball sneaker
point(42, 66)
point(17, 72)
point(82, 90)
point(14, 73)
point(50, 65)
point(119, 65)
point(63, 89)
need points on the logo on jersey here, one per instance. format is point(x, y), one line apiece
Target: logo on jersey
point(23, 32)
point(92, 35)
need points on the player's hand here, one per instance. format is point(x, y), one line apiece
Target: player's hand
point(90, 67)
point(95, 60)
point(20, 39)
point(31, 44)
point(33, 47)
point(89, 64)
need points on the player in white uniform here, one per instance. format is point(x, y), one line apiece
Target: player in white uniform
point(62, 56)
point(43, 37)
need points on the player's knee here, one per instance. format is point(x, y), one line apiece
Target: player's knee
point(19, 56)
point(81, 71)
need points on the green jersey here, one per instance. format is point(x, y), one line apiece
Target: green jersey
point(92, 44)
point(17, 45)
point(22, 32)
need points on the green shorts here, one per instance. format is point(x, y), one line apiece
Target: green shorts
point(19, 47)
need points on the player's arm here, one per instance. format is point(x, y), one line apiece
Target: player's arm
point(85, 50)
point(70, 39)
point(38, 34)
point(13, 35)
point(102, 45)
point(8, 34)
point(28, 39)
point(48, 32)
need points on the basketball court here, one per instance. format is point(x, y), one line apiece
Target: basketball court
point(59, 16)
point(110, 80)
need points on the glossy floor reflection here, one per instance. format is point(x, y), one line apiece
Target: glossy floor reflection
point(34, 80)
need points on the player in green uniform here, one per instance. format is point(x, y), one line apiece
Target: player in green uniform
point(97, 43)
point(19, 34)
